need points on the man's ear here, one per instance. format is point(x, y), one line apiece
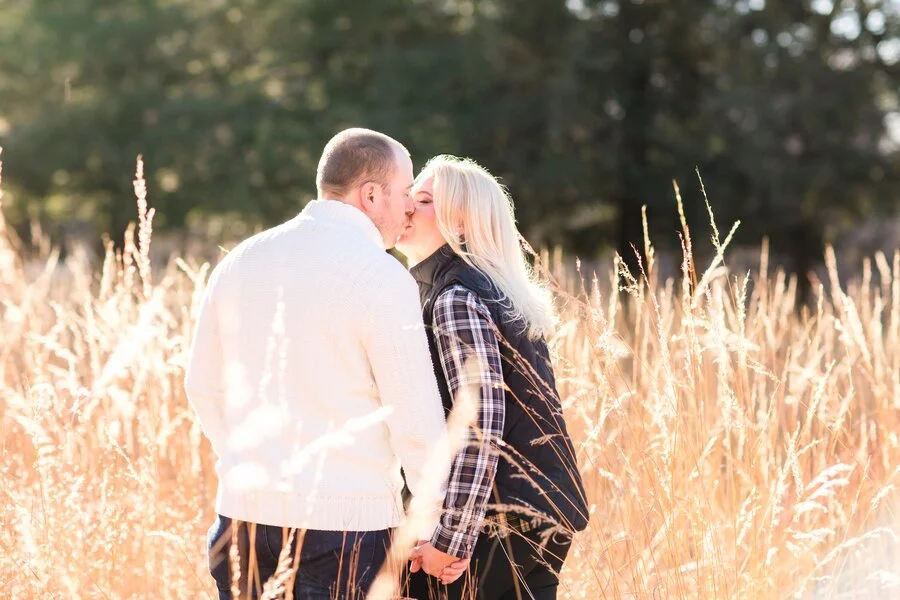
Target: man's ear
point(368, 196)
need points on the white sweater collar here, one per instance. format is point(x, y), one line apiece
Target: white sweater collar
point(335, 211)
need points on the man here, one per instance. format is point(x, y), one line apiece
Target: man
point(311, 376)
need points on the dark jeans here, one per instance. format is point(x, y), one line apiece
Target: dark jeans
point(331, 564)
point(511, 568)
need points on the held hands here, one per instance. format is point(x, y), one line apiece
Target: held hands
point(438, 564)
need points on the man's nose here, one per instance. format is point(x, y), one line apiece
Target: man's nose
point(410, 209)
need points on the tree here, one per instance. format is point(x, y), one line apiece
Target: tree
point(586, 109)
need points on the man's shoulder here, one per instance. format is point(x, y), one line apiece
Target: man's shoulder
point(260, 239)
point(382, 268)
point(384, 284)
point(258, 247)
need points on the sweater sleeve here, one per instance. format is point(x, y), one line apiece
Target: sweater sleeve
point(204, 378)
point(397, 348)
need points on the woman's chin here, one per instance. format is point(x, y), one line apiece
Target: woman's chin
point(405, 241)
point(403, 246)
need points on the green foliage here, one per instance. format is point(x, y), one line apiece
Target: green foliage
point(587, 109)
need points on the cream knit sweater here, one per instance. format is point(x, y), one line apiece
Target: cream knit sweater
point(312, 379)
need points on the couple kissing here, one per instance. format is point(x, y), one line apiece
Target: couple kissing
point(322, 372)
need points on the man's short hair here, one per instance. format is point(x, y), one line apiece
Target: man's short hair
point(353, 156)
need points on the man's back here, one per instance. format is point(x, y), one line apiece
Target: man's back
point(311, 375)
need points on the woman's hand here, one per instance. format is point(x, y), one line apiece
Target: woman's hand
point(454, 571)
point(438, 564)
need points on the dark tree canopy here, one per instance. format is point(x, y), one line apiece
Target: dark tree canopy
point(587, 109)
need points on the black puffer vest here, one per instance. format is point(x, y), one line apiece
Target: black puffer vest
point(541, 473)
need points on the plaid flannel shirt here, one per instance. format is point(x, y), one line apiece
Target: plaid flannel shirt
point(463, 329)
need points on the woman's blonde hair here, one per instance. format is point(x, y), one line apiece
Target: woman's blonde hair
point(475, 215)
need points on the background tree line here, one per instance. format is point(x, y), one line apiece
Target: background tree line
point(588, 109)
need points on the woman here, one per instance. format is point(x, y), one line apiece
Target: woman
point(515, 495)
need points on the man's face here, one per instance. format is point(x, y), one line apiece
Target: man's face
point(394, 206)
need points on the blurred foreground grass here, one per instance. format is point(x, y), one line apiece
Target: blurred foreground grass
point(731, 446)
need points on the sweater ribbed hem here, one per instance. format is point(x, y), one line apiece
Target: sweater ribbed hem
point(319, 512)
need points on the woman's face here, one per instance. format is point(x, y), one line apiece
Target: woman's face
point(421, 238)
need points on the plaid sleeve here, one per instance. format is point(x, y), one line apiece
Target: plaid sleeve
point(463, 329)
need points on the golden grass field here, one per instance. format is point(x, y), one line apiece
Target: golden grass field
point(731, 446)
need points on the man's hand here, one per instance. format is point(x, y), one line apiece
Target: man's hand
point(438, 564)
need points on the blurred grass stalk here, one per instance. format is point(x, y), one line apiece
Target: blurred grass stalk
point(732, 446)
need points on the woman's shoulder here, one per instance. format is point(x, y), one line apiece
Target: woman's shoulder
point(474, 280)
point(456, 293)
point(459, 298)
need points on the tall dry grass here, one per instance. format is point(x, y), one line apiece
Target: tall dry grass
point(731, 447)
